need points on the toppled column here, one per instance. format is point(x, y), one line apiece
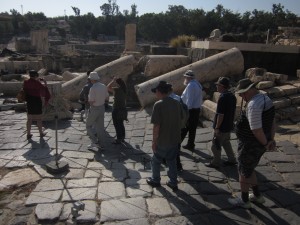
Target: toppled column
point(227, 63)
point(156, 65)
point(10, 88)
point(121, 68)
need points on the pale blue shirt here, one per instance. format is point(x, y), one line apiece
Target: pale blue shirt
point(192, 95)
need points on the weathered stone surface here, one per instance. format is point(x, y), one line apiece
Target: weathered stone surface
point(227, 63)
point(113, 175)
point(284, 197)
point(275, 77)
point(48, 211)
point(295, 99)
point(289, 89)
point(264, 84)
point(38, 197)
point(89, 214)
point(79, 194)
point(143, 221)
point(161, 64)
point(158, 207)
point(67, 75)
point(123, 209)
point(111, 190)
point(139, 191)
point(253, 73)
point(18, 178)
point(281, 103)
point(74, 154)
point(50, 185)
point(82, 183)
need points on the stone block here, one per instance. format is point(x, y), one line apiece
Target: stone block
point(208, 109)
point(252, 73)
point(295, 99)
point(275, 77)
point(289, 89)
point(281, 103)
point(275, 92)
point(298, 73)
point(264, 85)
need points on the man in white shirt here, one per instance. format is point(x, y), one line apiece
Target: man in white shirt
point(192, 97)
point(97, 95)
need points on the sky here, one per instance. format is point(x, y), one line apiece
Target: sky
point(54, 8)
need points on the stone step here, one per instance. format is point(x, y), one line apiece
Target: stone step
point(292, 113)
point(281, 102)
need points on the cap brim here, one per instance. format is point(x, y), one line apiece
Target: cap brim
point(246, 89)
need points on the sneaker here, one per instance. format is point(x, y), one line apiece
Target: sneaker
point(239, 202)
point(172, 186)
point(92, 146)
point(152, 183)
point(259, 200)
point(228, 163)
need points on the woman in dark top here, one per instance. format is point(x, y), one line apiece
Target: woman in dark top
point(34, 91)
point(118, 87)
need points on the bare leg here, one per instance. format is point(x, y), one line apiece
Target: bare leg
point(28, 125)
point(246, 183)
point(40, 127)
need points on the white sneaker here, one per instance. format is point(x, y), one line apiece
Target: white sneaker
point(93, 146)
point(259, 200)
point(239, 202)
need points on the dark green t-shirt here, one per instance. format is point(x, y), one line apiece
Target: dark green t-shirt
point(167, 114)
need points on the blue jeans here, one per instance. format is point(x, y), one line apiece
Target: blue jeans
point(170, 155)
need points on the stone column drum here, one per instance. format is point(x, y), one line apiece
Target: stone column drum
point(227, 63)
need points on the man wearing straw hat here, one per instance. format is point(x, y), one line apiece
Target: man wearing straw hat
point(255, 131)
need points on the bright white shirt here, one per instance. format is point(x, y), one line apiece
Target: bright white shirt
point(98, 93)
point(192, 95)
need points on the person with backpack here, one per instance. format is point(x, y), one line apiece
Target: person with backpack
point(223, 125)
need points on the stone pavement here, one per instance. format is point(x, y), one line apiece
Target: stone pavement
point(112, 183)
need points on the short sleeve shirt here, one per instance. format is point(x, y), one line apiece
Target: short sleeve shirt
point(167, 114)
point(98, 93)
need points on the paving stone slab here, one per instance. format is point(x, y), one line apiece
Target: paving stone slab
point(284, 197)
point(278, 157)
point(82, 183)
point(237, 216)
point(111, 190)
point(123, 209)
point(183, 204)
point(75, 163)
point(79, 194)
point(292, 178)
point(217, 202)
point(38, 197)
point(92, 173)
point(18, 178)
point(143, 190)
point(213, 188)
point(89, 214)
point(276, 216)
point(130, 222)
point(99, 165)
point(287, 167)
point(186, 220)
point(158, 207)
point(50, 185)
point(75, 173)
point(79, 155)
point(267, 174)
point(114, 175)
point(48, 211)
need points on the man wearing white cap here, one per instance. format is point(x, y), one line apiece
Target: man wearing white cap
point(95, 120)
point(192, 97)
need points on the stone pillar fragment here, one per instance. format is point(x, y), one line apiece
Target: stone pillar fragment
point(130, 37)
point(227, 63)
point(121, 68)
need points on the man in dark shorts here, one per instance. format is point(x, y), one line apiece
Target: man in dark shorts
point(255, 131)
point(223, 125)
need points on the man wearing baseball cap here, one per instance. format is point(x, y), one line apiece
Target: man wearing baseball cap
point(97, 95)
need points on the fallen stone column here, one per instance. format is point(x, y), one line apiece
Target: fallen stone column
point(227, 63)
point(156, 65)
point(121, 68)
point(10, 88)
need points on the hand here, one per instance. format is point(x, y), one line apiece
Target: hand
point(271, 145)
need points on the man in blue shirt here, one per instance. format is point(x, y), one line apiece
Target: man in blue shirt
point(192, 97)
